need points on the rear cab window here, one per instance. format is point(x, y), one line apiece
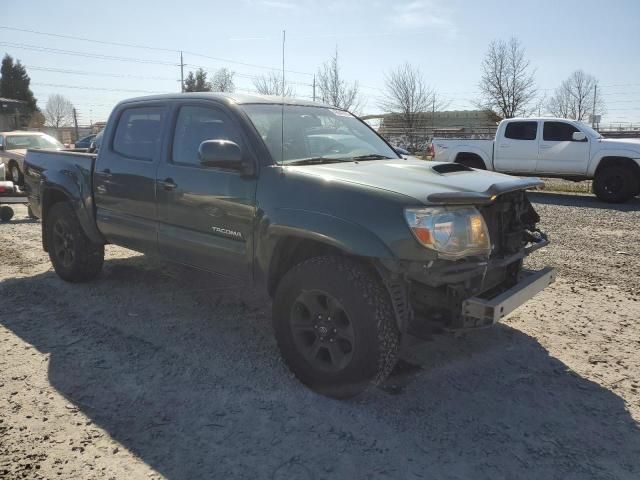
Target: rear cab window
point(139, 132)
point(521, 130)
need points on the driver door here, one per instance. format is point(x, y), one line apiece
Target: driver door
point(206, 214)
point(559, 152)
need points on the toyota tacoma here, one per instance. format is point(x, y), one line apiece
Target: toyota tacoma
point(357, 246)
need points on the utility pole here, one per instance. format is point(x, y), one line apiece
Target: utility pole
point(593, 111)
point(314, 87)
point(181, 73)
point(75, 122)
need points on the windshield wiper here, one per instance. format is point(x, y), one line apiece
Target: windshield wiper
point(371, 156)
point(317, 161)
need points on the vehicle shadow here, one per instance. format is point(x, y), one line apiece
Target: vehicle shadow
point(582, 200)
point(181, 368)
point(22, 220)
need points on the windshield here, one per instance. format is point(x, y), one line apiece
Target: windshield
point(20, 142)
point(316, 133)
point(589, 131)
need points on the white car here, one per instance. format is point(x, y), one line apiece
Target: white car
point(13, 147)
point(552, 147)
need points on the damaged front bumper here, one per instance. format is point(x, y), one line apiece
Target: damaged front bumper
point(479, 311)
point(441, 296)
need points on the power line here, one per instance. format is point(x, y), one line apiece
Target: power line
point(146, 47)
point(71, 37)
point(57, 85)
point(85, 54)
point(97, 74)
point(226, 60)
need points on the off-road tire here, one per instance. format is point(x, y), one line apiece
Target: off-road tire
point(15, 174)
point(366, 302)
point(6, 213)
point(616, 184)
point(88, 257)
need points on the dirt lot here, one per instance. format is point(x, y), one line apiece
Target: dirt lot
point(154, 371)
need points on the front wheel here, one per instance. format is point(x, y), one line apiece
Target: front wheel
point(335, 326)
point(15, 174)
point(616, 184)
point(74, 256)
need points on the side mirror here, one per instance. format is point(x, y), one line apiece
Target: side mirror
point(579, 137)
point(220, 153)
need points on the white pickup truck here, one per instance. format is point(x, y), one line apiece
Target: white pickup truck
point(552, 147)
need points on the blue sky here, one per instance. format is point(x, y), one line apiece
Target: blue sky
point(447, 40)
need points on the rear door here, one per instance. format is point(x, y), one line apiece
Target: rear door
point(559, 152)
point(125, 177)
point(206, 214)
point(516, 150)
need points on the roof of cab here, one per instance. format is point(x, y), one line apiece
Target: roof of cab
point(235, 98)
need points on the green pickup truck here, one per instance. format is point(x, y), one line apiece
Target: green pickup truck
point(357, 246)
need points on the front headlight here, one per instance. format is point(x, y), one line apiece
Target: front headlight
point(453, 232)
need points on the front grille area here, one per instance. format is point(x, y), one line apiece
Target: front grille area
point(508, 218)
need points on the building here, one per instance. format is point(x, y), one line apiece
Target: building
point(453, 121)
point(14, 114)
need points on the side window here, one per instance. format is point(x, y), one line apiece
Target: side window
point(138, 133)
point(194, 126)
point(558, 132)
point(521, 130)
point(1, 141)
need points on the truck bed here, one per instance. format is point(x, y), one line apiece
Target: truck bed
point(446, 149)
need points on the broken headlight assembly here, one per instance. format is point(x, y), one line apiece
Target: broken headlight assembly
point(453, 232)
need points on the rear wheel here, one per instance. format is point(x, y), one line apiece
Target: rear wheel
point(616, 184)
point(335, 326)
point(472, 161)
point(74, 256)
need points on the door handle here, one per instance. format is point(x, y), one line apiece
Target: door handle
point(106, 173)
point(504, 145)
point(168, 183)
point(544, 147)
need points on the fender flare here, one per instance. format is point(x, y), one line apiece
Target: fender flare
point(597, 159)
point(75, 187)
point(332, 231)
point(474, 151)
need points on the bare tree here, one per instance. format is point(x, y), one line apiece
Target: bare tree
point(335, 90)
point(58, 112)
point(222, 81)
point(507, 85)
point(574, 98)
point(271, 84)
point(410, 100)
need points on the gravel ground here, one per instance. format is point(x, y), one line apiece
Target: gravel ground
point(155, 371)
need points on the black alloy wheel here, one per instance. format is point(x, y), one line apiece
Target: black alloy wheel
point(322, 330)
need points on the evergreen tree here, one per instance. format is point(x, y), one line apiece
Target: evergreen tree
point(14, 82)
point(197, 82)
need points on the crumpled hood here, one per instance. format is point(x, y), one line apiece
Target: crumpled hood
point(418, 179)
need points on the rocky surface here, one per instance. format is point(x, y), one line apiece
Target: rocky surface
point(156, 371)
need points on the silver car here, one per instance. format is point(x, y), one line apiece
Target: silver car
point(13, 147)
